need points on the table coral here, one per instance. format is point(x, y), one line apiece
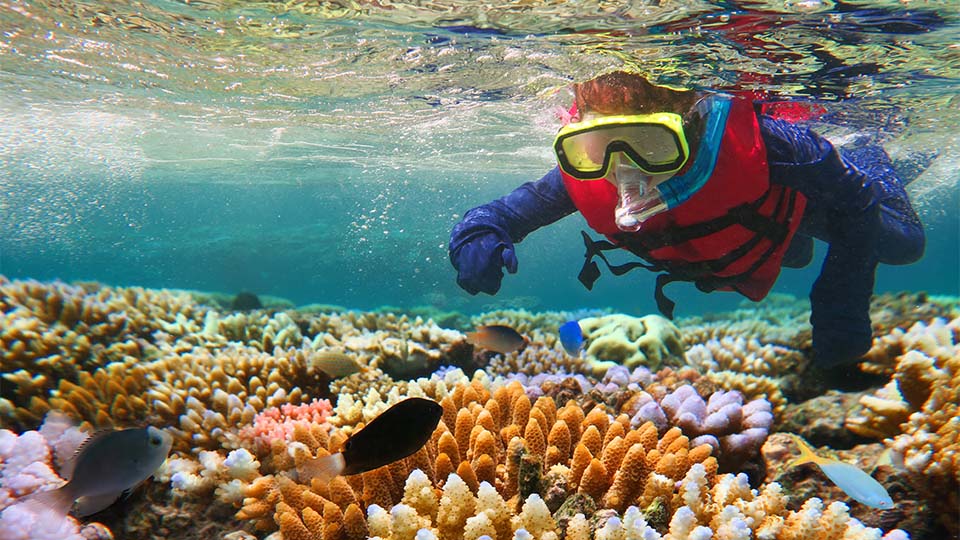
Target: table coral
point(650, 341)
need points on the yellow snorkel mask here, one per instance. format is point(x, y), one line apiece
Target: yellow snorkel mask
point(655, 143)
point(641, 155)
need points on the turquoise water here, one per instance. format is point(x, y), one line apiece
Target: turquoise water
point(322, 155)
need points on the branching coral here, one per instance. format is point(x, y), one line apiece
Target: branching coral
point(745, 356)
point(55, 333)
point(920, 408)
point(515, 456)
point(521, 448)
point(779, 319)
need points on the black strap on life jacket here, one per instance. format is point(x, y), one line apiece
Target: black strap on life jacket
point(702, 273)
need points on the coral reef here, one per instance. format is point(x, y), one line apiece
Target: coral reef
point(650, 341)
point(631, 440)
point(920, 409)
point(26, 467)
point(734, 430)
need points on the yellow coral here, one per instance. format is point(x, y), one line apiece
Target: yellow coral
point(650, 341)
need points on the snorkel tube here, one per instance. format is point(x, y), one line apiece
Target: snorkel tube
point(678, 189)
point(639, 197)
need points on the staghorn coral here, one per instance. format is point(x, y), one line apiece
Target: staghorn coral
point(650, 341)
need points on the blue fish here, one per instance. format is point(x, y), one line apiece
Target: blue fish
point(571, 337)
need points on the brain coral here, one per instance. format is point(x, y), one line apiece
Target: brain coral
point(650, 341)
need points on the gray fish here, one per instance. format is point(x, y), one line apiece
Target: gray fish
point(335, 364)
point(105, 466)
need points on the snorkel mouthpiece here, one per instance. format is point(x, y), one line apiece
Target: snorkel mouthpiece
point(637, 198)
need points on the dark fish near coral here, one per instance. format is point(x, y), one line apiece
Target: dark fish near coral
point(397, 433)
point(107, 465)
point(571, 337)
point(245, 301)
point(496, 337)
point(335, 364)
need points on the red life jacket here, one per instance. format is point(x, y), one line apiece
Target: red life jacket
point(731, 234)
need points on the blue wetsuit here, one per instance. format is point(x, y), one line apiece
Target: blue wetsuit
point(855, 203)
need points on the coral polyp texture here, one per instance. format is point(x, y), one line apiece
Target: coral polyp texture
point(649, 432)
point(651, 341)
point(920, 410)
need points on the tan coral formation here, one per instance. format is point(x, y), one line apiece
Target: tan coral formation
point(920, 410)
point(745, 355)
point(474, 479)
point(504, 440)
point(651, 341)
point(55, 336)
point(114, 356)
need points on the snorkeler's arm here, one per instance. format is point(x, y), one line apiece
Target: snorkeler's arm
point(481, 244)
point(844, 210)
point(525, 209)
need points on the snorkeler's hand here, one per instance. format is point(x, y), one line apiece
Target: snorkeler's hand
point(479, 262)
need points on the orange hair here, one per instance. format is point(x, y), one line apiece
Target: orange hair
point(620, 92)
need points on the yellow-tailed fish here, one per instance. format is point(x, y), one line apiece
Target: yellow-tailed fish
point(859, 485)
point(496, 337)
point(335, 364)
point(108, 464)
point(397, 433)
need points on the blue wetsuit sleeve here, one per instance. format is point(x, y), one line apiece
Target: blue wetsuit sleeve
point(843, 210)
point(522, 211)
point(481, 244)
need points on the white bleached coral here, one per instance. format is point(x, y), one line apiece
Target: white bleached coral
point(26, 467)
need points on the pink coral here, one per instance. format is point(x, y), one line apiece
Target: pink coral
point(278, 423)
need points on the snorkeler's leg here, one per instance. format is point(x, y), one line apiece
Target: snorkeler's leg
point(901, 239)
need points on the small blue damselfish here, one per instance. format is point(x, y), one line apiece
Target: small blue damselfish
point(571, 337)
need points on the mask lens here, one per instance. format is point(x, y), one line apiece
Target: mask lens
point(655, 147)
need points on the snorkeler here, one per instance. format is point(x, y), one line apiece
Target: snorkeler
point(706, 188)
